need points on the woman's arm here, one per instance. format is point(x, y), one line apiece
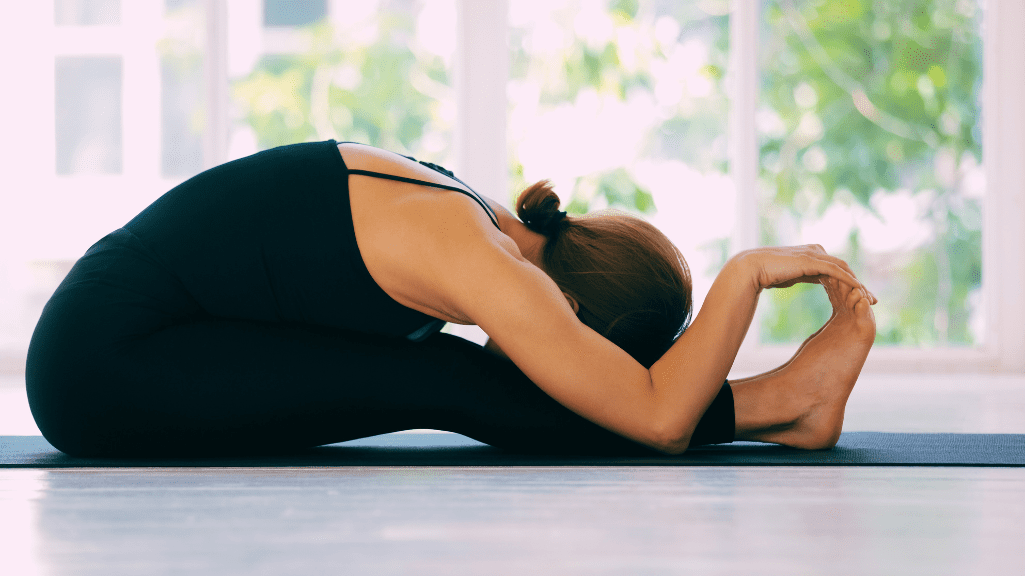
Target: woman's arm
point(704, 353)
point(528, 318)
point(689, 375)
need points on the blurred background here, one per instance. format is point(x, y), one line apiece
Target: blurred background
point(867, 123)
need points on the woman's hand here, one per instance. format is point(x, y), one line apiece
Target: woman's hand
point(784, 266)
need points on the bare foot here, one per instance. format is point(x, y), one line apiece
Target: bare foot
point(816, 384)
point(830, 287)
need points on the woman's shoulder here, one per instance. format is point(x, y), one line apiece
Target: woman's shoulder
point(407, 234)
point(365, 157)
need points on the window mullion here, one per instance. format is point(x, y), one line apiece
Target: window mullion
point(1003, 252)
point(742, 89)
point(140, 82)
point(480, 74)
point(215, 64)
point(480, 77)
point(743, 93)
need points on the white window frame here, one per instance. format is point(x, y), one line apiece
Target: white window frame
point(32, 56)
point(481, 75)
point(1003, 257)
point(484, 27)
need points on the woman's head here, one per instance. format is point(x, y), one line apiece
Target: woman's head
point(632, 284)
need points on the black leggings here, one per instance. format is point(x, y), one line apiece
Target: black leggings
point(123, 362)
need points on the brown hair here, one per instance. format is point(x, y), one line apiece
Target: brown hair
point(632, 284)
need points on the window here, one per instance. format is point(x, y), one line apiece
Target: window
point(892, 137)
point(624, 105)
point(181, 90)
point(372, 74)
point(293, 12)
point(87, 91)
point(860, 129)
point(870, 138)
point(944, 163)
point(87, 12)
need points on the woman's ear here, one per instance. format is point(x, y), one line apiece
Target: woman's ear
point(572, 303)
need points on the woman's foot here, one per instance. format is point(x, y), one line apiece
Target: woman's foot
point(802, 405)
point(736, 381)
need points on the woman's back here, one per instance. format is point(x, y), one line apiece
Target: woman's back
point(270, 237)
point(396, 222)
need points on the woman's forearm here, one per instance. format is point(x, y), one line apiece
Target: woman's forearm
point(689, 375)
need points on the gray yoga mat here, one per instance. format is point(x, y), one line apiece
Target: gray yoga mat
point(854, 449)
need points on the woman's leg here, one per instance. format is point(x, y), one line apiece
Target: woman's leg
point(224, 386)
point(124, 360)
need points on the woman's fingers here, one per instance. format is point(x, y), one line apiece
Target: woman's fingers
point(782, 267)
point(842, 296)
point(818, 249)
point(839, 262)
point(834, 270)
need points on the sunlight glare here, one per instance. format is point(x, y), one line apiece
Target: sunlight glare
point(19, 538)
point(432, 23)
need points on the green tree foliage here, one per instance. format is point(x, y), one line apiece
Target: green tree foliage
point(385, 93)
point(867, 99)
point(684, 132)
point(874, 98)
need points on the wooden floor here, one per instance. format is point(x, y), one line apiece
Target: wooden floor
point(708, 520)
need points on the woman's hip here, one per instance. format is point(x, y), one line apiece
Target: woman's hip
point(114, 293)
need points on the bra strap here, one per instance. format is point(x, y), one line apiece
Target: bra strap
point(483, 204)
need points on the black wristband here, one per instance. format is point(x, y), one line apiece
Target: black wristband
point(718, 424)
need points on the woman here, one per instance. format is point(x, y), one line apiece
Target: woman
point(292, 298)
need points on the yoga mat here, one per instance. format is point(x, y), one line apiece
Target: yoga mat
point(853, 449)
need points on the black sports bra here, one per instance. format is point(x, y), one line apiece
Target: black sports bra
point(472, 194)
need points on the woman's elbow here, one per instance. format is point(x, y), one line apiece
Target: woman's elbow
point(671, 440)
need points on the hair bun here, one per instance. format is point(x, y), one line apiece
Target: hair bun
point(538, 208)
point(547, 224)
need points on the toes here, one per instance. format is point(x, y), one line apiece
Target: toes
point(865, 317)
point(862, 308)
point(838, 293)
point(853, 297)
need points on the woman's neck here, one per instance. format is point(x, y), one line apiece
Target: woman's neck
point(529, 242)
